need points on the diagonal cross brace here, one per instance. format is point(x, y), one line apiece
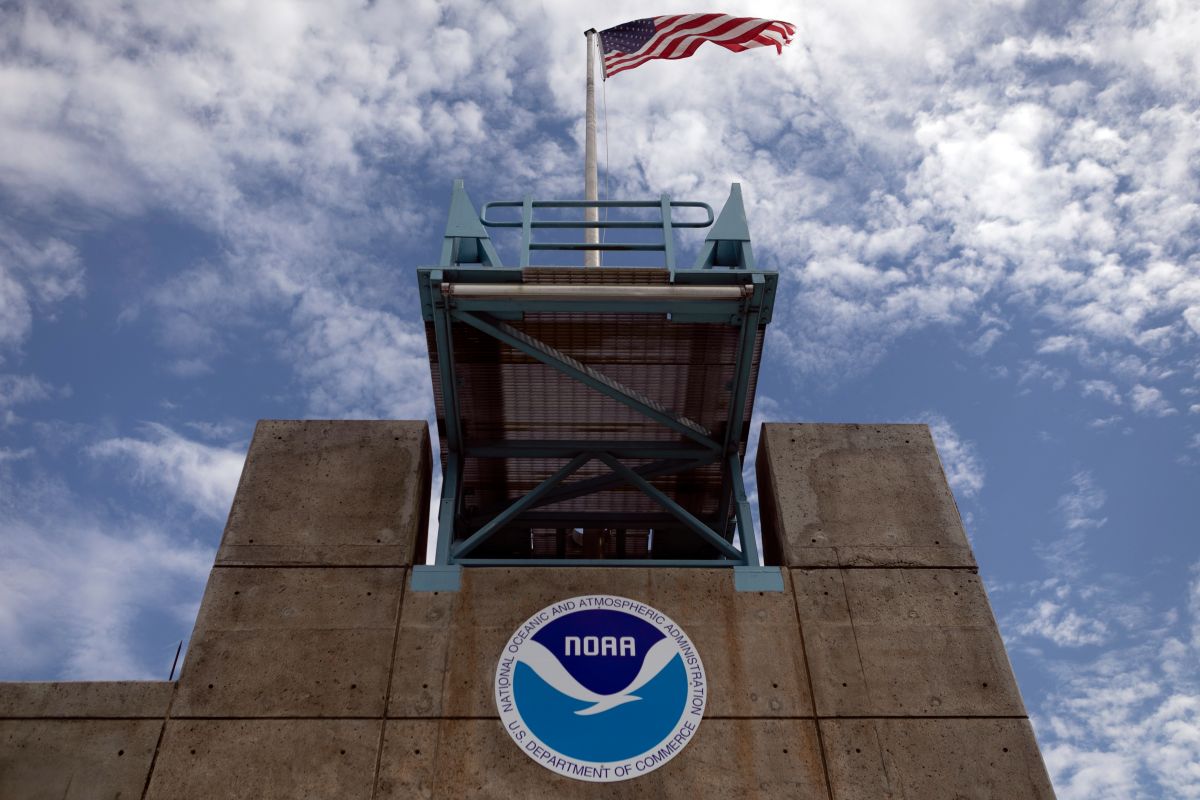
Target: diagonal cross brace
point(600, 483)
point(466, 546)
point(681, 513)
point(552, 357)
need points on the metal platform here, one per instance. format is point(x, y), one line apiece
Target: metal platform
point(595, 415)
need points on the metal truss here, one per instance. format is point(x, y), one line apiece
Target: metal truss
point(472, 288)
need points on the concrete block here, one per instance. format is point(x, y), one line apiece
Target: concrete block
point(351, 492)
point(75, 759)
point(967, 759)
point(467, 758)
point(266, 759)
point(449, 643)
point(856, 495)
point(108, 699)
point(292, 642)
point(903, 642)
point(269, 599)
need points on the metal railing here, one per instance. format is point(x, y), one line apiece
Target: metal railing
point(666, 223)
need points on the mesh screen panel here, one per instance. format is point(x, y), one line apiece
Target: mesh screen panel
point(505, 395)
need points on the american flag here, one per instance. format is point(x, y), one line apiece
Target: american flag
point(634, 43)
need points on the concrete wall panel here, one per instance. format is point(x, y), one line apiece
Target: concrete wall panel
point(741, 758)
point(292, 642)
point(266, 760)
point(857, 495)
point(321, 492)
point(915, 759)
point(239, 599)
point(103, 699)
point(886, 642)
point(284, 690)
point(75, 759)
point(286, 673)
point(449, 644)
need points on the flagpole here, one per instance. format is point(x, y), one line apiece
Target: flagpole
point(591, 258)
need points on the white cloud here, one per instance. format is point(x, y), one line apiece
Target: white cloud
point(1105, 390)
point(985, 341)
point(964, 468)
point(360, 362)
point(1125, 725)
point(78, 588)
point(32, 274)
point(18, 390)
point(198, 475)
point(1150, 401)
point(942, 176)
point(1122, 717)
point(1080, 507)
point(1063, 626)
point(1039, 371)
point(215, 431)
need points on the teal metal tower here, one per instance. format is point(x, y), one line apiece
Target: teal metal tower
point(595, 416)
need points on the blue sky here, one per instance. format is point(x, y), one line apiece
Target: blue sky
point(985, 216)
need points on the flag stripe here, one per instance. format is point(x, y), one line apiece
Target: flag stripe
point(730, 30)
point(663, 36)
point(710, 25)
point(676, 37)
point(687, 46)
point(664, 28)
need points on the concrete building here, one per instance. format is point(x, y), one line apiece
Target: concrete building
point(315, 671)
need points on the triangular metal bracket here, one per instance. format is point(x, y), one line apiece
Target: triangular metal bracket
point(728, 241)
point(466, 240)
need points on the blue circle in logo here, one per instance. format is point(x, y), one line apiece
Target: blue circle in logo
point(600, 688)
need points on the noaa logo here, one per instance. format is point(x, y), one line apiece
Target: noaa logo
point(600, 688)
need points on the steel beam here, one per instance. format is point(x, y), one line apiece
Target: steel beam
point(599, 562)
point(565, 448)
point(668, 234)
point(745, 519)
point(602, 483)
point(586, 519)
point(680, 513)
point(715, 311)
point(448, 508)
point(445, 351)
point(501, 519)
point(747, 338)
point(568, 291)
point(552, 357)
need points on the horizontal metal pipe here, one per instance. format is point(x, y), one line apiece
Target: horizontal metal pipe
point(550, 291)
point(598, 562)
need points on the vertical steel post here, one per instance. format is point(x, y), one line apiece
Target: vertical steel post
point(448, 509)
point(745, 519)
point(526, 228)
point(664, 204)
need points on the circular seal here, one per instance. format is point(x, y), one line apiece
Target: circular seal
point(600, 688)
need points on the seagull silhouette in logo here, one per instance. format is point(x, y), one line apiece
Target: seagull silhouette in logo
point(550, 669)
